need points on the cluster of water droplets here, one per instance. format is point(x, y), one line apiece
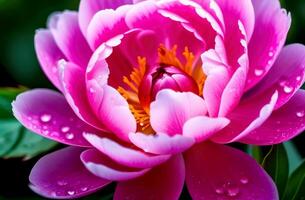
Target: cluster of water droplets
point(66, 189)
point(231, 189)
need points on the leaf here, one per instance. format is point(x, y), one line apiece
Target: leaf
point(9, 133)
point(296, 184)
point(276, 164)
point(7, 95)
point(255, 152)
point(294, 156)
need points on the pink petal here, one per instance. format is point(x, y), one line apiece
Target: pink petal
point(219, 172)
point(47, 113)
point(69, 38)
point(73, 80)
point(123, 155)
point(48, 55)
point(248, 116)
point(112, 109)
point(88, 8)
point(163, 182)
point(103, 167)
point(287, 74)
point(161, 143)
point(284, 123)
point(202, 128)
point(171, 110)
point(271, 27)
point(61, 175)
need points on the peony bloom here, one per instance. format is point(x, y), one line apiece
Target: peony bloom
point(150, 91)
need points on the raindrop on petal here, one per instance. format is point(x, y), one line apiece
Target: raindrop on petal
point(300, 113)
point(45, 118)
point(69, 136)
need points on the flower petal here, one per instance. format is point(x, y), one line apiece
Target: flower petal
point(284, 123)
point(48, 55)
point(161, 143)
point(163, 182)
point(271, 28)
point(103, 167)
point(202, 128)
point(69, 38)
point(123, 155)
point(172, 109)
point(47, 113)
point(88, 8)
point(61, 175)
point(219, 172)
point(287, 74)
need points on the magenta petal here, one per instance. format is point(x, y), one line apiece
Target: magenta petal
point(172, 109)
point(161, 143)
point(219, 172)
point(124, 155)
point(282, 125)
point(202, 128)
point(163, 182)
point(88, 8)
point(69, 38)
point(48, 55)
point(61, 175)
point(103, 167)
point(271, 27)
point(287, 74)
point(46, 112)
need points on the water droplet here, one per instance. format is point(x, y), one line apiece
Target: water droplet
point(300, 113)
point(62, 183)
point(270, 53)
point(232, 192)
point(298, 78)
point(258, 72)
point(46, 132)
point(45, 118)
point(71, 192)
point(69, 136)
point(244, 180)
point(65, 129)
point(91, 90)
point(84, 189)
point(219, 190)
point(288, 89)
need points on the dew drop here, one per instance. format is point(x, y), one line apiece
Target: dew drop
point(288, 89)
point(69, 136)
point(258, 72)
point(219, 190)
point(65, 129)
point(298, 78)
point(244, 180)
point(46, 132)
point(84, 189)
point(232, 192)
point(270, 53)
point(45, 118)
point(300, 113)
point(71, 192)
point(91, 90)
point(62, 183)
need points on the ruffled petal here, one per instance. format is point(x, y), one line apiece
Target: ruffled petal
point(48, 55)
point(61, 175)
point(171, 110)
point(202, 128)
point(163, 182)
point(103, 167)
point(88, 8)
point(161, 143)
point(219, 172)
point(65, 29)
point(284, 123)
point(124, 155)
point(47, 113)
point(271, 27)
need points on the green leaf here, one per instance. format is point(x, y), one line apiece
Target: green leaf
point(7, 95)
point(294, 157)
point(276, 164)
point(255, 152)
point(9, 134)
point(296, 184)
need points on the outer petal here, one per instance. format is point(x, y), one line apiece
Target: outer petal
point(163, 182)
point(61, 175)
point(123, 155)
point(282, 125)
point(48, 55)
point(271, 28)
point(68, 37)
point(287, 74)
point(202, 128)
point(172, 109)
point(220, 172)
point(47, 113)
point(88, 8)
point(161, 143)
point(103, 167)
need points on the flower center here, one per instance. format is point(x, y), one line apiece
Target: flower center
point(146, 81)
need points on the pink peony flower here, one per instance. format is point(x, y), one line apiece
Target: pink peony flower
point(151, 90)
